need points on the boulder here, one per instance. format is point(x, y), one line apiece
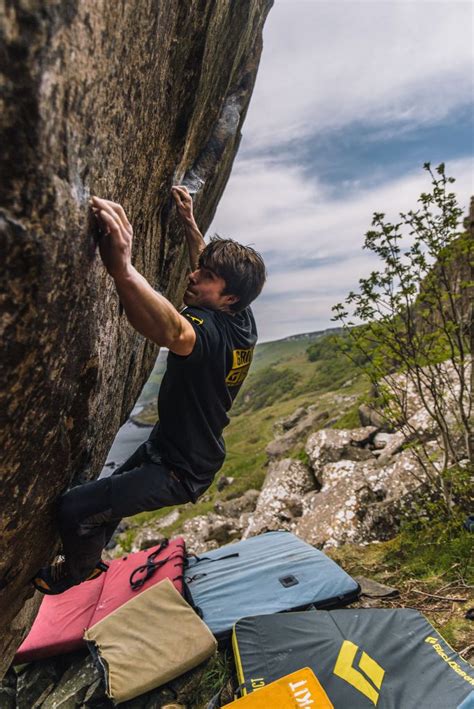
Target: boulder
point(419, 427)
point(415, 399)
point(151, 534)
point(36, 682)
point(279, 503)
point(196, 532)
point(330, 445)
point(222, 530)
point(368, 416)
point(73, 686)
point(236, 506)
point(286, 423)
point(8, 690)
point(304, 422)
point(382, 439)
point(361, 501)
point(330, 516)
point(210, 531)
point(121, 100)
point(223, 482)
point(206, 532)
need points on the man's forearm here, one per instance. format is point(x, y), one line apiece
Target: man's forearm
point(195, 241)
point(150, 313)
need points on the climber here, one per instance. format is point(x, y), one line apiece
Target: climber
point(210, 342)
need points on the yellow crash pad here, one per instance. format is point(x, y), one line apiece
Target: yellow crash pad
point(298, 690)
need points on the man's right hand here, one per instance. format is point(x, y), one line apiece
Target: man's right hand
point(115, 244)
point(184, 203)
point(194, 238)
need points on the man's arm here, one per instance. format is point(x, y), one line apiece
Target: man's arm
point(194, 238)
point(150, 313)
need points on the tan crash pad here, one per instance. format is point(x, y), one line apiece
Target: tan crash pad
point(149, 641)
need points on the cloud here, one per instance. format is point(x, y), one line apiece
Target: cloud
point(326, 65)
point(345, 95)
point(311, 241)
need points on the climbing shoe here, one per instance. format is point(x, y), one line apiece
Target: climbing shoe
point(55, 579)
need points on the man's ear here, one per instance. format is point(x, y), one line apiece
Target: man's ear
point(231, 299)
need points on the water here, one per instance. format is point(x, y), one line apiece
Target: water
point(127, 440)
point(130, 436)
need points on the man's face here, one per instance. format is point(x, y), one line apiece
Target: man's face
point(205, 289)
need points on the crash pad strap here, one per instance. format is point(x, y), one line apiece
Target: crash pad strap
point(151, 566)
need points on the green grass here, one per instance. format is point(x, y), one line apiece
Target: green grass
point(215, 676)
point(350, 419)
point(279, 351)
point(430, 560)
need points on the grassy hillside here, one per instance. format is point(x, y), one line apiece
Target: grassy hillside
point(282, 378)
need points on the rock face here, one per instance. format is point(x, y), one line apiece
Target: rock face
point(120, 100)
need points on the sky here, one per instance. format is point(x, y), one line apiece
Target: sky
point(351, 98)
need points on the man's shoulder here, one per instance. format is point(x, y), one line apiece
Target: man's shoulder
point(199, 316)
point(207, 319)
point(206, 325)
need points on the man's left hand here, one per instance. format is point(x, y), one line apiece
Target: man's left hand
point(115, 244)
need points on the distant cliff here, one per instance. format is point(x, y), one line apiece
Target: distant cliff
point(120, 100)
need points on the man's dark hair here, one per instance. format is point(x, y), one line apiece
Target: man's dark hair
point(241, 267)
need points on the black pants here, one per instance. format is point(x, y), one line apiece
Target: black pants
point(89, 514)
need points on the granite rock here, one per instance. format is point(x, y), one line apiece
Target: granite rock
point(330, 445)
point(122, 100)
point(279, 503)
point(361, 501)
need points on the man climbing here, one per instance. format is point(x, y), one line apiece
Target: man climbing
point(210, 349)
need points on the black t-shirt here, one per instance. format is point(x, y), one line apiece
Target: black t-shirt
point(197, 391)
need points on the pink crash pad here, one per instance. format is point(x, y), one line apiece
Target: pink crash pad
point(61, 621)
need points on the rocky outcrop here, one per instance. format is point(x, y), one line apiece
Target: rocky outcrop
point(346, 495)
point(367, 478)
point(418, 421)
point(369, 416)
point(120, 100)
point(360, 501)
point(280, 501)
point(361, 482)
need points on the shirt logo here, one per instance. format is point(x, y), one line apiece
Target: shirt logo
point(371, 670)
point(241, 360)
point(198, 321)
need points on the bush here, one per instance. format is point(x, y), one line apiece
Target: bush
point(418, 321)
point(338, 361)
